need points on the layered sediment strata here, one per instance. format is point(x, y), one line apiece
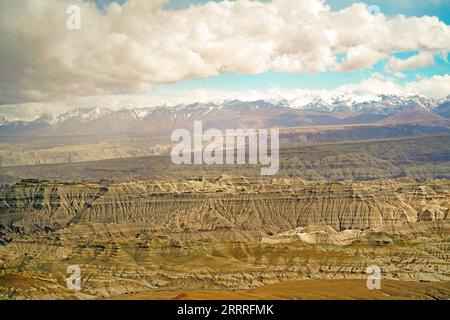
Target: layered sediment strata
point(222, 233)
point(224, 208)
point(36, 268)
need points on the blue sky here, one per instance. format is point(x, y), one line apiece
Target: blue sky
point(323, 80)
point(439, 8)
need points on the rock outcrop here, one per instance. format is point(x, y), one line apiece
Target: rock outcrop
point(223, 233)
point(226, 207)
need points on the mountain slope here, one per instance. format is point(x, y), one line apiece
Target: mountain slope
point(443, 110)
point(416, 115)
point(233, 114)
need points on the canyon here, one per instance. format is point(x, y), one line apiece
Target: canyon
point(219, 234)
point(138, 226)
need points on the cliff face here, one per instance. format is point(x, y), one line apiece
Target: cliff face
point(224, 208)
point(113, 263)
point(218, 233)
point(417, 159)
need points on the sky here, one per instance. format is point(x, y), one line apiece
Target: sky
point(328, 80)
point(439, 8)
point(179, 51)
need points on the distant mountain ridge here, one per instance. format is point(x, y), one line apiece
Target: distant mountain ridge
point(336, 110)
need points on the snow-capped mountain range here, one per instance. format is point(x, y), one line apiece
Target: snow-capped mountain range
point(307, 110)
point(383, 104)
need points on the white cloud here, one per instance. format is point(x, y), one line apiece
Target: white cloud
point(434, 87)
point(362, 56)
point(419, 60)
point(132, 47)
point(437, 86)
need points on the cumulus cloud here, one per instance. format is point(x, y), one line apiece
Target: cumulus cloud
point(437, 86)
point(362, 56)
point(422, 59)
point(434, 87)
point(129, 48)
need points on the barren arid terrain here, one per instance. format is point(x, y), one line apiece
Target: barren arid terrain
point(226, 150)
point(227, 237)
point(312, 290)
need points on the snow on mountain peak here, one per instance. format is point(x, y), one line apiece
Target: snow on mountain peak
point(323, 102)
point(80, 114)
point(363, 103)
